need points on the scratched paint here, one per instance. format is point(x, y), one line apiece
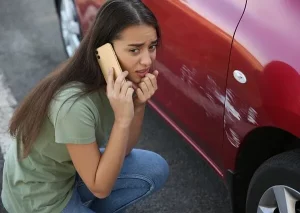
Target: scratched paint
point(188, 75)
point(252, 115)
point(211, 101)
point(233, 122)
point(214, 89)
point(233, 138)
point(214, 94)
point(232, 116)
point(232, 112)
point(190, 88)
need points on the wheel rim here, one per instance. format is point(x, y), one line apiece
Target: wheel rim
point(279, 199)
point(69, 26)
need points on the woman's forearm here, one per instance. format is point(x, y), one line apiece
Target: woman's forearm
point(136, 128)
point(112, 159)
point(121, 141)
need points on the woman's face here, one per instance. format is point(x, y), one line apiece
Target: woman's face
point(136, 50)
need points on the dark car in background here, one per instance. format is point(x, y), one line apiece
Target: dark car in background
point(230, 85)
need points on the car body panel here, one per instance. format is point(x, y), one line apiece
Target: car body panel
point(266, 49)
point(193, 71)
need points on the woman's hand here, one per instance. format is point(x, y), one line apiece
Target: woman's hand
point(119, 94)
point(146, 89)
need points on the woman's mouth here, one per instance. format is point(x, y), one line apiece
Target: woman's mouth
point(142, 73)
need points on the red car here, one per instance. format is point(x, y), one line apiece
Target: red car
point(230, 85)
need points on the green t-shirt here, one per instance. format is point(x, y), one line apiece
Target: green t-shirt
point(43, 182)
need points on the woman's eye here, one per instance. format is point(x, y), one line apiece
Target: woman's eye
point(153, 47)
point(134, 50)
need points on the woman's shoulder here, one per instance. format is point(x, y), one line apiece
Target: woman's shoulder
point(69, 90)
point(71, 96)
point(75, 90)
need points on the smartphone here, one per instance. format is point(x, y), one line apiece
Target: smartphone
point(107, 59)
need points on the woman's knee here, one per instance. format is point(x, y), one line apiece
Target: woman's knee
point(149, 164)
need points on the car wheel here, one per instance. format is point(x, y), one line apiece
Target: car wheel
point(275, 186)
point(69, 26)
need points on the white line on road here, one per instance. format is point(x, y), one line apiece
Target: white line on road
point(7, 103)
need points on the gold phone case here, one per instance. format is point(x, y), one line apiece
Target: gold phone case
point(107, 59)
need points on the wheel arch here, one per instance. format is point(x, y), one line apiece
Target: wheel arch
point(259, 145)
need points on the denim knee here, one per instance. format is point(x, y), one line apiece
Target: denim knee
point(162, 172)
point(150, 165)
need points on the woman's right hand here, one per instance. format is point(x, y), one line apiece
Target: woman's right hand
point(120, 93)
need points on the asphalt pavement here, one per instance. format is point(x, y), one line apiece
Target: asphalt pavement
point(31, 47)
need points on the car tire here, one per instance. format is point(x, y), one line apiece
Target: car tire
point(275, 186)
point(69, 25)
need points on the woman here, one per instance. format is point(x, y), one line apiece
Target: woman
point(56, 164)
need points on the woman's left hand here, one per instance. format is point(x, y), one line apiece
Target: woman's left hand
point(146, 89)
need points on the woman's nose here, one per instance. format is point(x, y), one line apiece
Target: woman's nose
point(146, 59)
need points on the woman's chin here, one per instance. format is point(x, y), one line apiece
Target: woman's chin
point(135, 80)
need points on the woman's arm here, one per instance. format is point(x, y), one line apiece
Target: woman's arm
point(99, 172)
point(136, 127)
point(145, 91)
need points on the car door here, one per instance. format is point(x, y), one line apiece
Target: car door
point(266, 51)
point(193, 62)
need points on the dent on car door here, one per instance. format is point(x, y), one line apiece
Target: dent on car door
point(266, 51)
point(193, 63)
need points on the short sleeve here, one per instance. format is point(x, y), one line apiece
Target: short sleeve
point(74, 121)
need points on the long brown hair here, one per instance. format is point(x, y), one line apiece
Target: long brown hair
point(111, 19)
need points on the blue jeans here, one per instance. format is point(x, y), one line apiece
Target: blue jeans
point(143, 173)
